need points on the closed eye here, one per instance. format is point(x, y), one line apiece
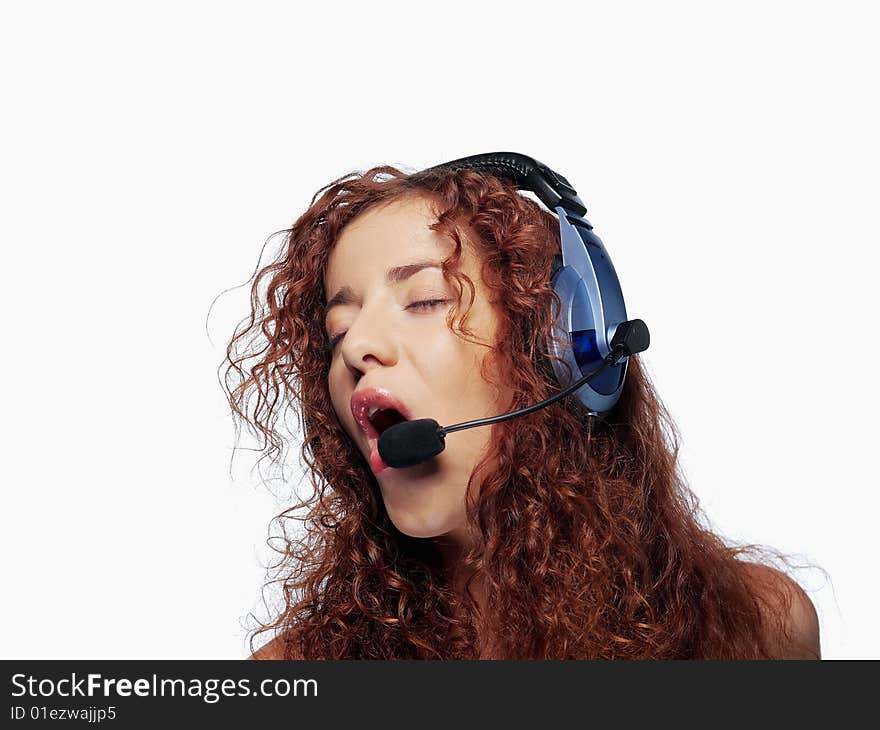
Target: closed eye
point(429, 302)
point(424, 304)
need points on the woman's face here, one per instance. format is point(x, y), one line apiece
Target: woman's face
point(395, 340)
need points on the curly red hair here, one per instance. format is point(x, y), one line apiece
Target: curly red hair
point(591, 544)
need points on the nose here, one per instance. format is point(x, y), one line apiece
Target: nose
point(368, 342)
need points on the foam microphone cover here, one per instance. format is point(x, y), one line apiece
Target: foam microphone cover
point(411, 442)
point(634, 336)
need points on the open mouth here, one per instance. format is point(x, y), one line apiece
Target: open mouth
point(384, 418)
point(375, 410)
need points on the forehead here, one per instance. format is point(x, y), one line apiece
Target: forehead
point(389, 235)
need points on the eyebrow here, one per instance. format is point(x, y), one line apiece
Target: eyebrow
point(394, 275)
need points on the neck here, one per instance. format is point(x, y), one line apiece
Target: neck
point(453, 547)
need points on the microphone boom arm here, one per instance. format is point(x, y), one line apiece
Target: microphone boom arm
point(610, 359)
point(629, 338)
point(412, 442)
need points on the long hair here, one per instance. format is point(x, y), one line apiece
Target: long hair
point(591, 544)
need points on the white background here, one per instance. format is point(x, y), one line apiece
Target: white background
point(728, 156)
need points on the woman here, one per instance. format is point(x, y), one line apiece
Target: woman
point(556, 535)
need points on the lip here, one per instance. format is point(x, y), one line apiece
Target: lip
point(361, 402)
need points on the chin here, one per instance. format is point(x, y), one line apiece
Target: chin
point(423, 525)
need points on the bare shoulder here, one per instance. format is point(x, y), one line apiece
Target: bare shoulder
point(787, 600)
point(272, 650)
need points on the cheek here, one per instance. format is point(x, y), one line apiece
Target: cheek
point(459, 387)
point(447, 365)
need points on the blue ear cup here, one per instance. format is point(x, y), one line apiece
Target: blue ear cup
point(592, 306)
point(583, 278)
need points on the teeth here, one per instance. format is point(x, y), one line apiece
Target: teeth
point(372, 411)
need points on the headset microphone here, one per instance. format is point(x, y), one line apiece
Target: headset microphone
point(412, 442)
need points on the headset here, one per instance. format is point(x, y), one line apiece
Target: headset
point(593, 336)
point(583, 278)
